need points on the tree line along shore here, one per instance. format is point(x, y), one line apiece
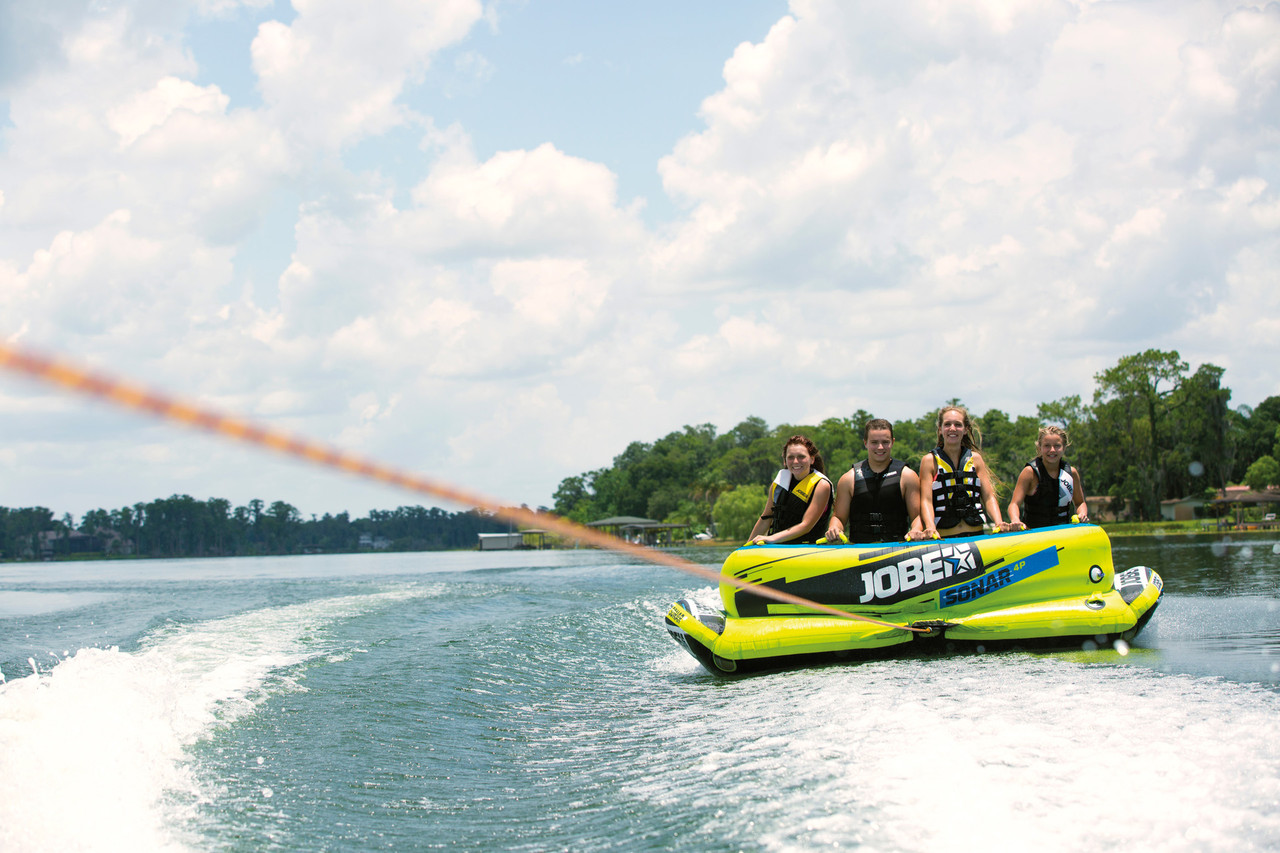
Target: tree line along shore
point(1154, 431)
point(182, 526)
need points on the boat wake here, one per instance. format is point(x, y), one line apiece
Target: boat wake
point(993, 752)
point(93, 753)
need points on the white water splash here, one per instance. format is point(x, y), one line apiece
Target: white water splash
point(977, 754)
point(93, 753)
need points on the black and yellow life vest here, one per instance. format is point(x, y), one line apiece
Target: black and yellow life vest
point(957, 490)
point(790, 500)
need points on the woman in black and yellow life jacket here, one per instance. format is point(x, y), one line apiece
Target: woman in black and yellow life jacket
point(1049, 486)
point(956, 494)
point(799, 502)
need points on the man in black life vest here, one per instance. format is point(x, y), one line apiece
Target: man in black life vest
point(878, 500)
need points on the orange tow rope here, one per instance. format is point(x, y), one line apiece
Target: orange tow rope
point(95, 384)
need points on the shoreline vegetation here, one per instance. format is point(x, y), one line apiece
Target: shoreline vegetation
point(60, 545)
point(1154, 433)
point(1114, 530)
point(182, 526)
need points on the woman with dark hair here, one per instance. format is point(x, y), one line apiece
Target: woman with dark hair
point(955, 483)
point(799, 502)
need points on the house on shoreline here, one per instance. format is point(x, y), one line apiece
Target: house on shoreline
point(518, 540)
point(1232, 501)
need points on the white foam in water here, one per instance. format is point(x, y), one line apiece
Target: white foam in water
point(977, 754)
point(92, 753)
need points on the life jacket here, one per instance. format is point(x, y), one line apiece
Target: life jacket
point(1054, 498)
point(790, 500)
point(877, 510)
point(957, 490)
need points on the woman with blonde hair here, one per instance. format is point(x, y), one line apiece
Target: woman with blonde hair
point(955, 483)
point(1049, 486)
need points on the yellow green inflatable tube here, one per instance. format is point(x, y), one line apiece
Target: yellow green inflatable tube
point(1055, 586)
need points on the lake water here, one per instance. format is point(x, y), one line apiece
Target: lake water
point(533, 701)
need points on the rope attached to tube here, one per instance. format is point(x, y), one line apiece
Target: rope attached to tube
point(164, 407)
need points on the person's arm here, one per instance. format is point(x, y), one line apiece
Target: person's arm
point(817, 504)
point(928, 525)
point(911, 494)
point(1077, 496)
point(840, 512)
point(1024, 488)
point(989, 502)
point(766, 516)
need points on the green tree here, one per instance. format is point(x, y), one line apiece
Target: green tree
point(95, 520)
point(1066, 412)
point(705, 490)
point(693, 513)
point(221, 530)
point(22, 528)
point(839, 440)
point(1007, 445)
point(665, 500)
point(740, 466)
point(1131, 411)
point(674, 466)
point(1201, 440)
point(1257, 434)
point(746, 433)
point(913, 439)
point(281, 528)
point(736, 511)
point(622, 489)
point(1265, 471)
point(572, 492)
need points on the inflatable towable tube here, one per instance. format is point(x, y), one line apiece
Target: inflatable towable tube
point(1038, 588)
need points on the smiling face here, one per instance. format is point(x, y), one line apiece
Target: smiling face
point(879, 444)
point(1051, 446)
point(951, 430)
point(798, 460)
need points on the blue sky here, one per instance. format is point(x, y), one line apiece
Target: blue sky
point(497, 242)
point(618, 84)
